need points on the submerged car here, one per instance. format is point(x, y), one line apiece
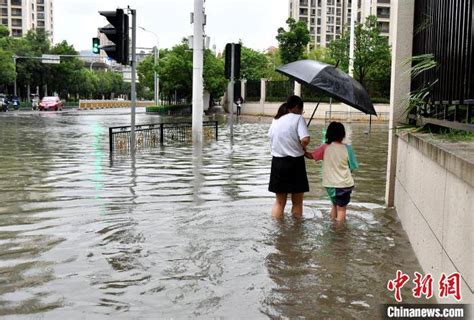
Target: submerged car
point(51, 103)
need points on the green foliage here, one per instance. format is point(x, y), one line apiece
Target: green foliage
point(292, 43)
point(7, 69)
point(4, 31)
point(372, 57)
point(254, 65)
point(321, 54)
point(418, 65)
point(175, 70)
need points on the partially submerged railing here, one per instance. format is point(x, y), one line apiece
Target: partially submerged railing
point(151, 135)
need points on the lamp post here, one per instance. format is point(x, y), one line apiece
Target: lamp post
point(156, 53)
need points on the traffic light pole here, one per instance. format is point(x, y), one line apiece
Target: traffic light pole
point(134, 79)
point(230, 93)
point(198, 86)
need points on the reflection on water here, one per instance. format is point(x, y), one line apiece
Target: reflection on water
point(181, 231)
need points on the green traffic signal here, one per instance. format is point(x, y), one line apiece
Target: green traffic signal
point(95, 45)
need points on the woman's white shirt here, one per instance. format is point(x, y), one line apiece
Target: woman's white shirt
point(285, 135)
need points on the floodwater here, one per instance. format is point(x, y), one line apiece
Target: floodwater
point(182, 232)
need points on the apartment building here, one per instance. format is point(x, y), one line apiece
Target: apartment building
point(22, 15)
point(326, 19)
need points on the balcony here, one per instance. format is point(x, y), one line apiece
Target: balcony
point(384, 1)
point(16, 3)
point(383, 12)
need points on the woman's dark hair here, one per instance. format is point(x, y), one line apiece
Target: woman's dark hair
point(335, 132)
point(291, 102)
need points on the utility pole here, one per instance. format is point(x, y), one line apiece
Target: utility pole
point(134, 79)
point(230, 91)
point(198, 87)
point(14, 66)
point(155, 76)
point(351, 44)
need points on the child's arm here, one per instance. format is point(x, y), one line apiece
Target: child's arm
point(318, 154)
point(353, 164)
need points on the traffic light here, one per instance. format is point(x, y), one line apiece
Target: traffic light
point(95, 45)
point(228, 60)
point(117, 33)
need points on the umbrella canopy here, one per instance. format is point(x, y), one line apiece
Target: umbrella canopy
point(331, 81)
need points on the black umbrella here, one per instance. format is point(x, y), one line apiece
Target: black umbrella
point(331, 81)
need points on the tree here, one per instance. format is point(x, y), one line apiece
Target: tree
point(321, 54)
point(293, 42)
point(4, 31)
point(7, 69)
point(254, 65)
point(372, 57)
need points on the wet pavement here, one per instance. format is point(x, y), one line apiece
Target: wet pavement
point(181, 232)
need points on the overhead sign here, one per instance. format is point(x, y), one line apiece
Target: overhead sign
point(50, 58)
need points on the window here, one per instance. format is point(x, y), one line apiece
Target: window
point(40, 15)
point(40, 8)
point(384, 27)
point(318, 39)
point(319, 21)
point(40, 23)
point(303, 3)
point(330, 2)
point(384, 1)
point(330, 20)
point(304, 19)
point(329, 38)
point(16, 12)
point(338, 11)
point(40, 1)
point(383, 12)
point(5, 21)
point(330, 10)
point(303, 12)
point(330, 29)
point(17, 32)
point(16, 2)
point(16, 22)
point(4, 12)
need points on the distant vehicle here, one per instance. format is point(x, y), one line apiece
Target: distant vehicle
point(14, 101)
point(51, 103)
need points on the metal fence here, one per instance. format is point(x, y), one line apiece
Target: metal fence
point(252, 90)
point(279, 90)
point(151, 135)
point(445, 28)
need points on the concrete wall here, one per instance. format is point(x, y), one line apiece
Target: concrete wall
point(434, 198)
point(338, 111)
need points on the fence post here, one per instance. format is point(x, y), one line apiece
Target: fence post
point(161, 133)
point(111, 144)
point(263, 94)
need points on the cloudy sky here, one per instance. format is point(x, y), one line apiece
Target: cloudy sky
point(254, 21)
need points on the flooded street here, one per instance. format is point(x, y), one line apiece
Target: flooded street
point(183, 233)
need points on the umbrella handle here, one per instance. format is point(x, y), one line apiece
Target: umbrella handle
point(316, 108)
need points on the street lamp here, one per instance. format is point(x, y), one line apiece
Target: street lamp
point(156, 52)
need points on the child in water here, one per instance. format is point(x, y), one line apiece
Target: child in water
point(338, 162)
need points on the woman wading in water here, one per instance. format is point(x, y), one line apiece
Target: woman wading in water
point(289, 137)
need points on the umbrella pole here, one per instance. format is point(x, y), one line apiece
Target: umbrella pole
point(309, 122)
point(370, 123)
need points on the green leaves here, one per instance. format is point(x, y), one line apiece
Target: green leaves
point(292, 43)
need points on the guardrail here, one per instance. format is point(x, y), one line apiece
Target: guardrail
point(105, 104)
point(150, 135)
point(355, 116)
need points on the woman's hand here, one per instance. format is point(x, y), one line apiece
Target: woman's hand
point(308, 155)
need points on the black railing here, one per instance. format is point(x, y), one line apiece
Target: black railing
point(446, 30)
point(151, 135)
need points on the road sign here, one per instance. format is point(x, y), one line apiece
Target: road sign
point(50, 58)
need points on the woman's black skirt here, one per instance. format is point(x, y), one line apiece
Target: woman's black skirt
point(288, 175)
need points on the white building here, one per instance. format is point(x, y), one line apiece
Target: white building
point(326, 19)
point(22, 15)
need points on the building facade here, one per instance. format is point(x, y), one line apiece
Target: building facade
point(326, 19)
point(22, 15)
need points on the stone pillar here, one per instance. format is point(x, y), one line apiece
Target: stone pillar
point(263, 94)
point(401, 24)
point(297, 90)
point(243, 87)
